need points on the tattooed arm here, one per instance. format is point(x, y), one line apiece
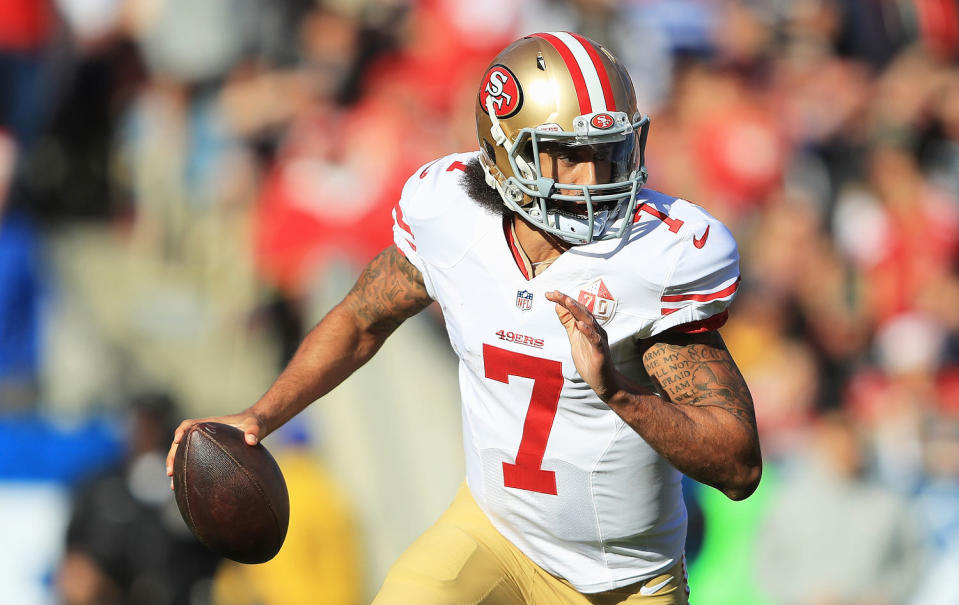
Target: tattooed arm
point(701, 420)
point(704, 424)
point(389, 291)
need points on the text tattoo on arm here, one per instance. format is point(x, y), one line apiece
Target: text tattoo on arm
point(389, 291)
point(698, 370)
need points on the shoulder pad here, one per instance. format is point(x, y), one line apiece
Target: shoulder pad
point(435, 219)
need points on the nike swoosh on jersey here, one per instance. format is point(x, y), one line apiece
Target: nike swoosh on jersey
point(647, 590)
point(699, 242)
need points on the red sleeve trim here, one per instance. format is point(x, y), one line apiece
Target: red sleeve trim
point(427, 169)
point(703, 297)
point(399, 220)
point(703, 325)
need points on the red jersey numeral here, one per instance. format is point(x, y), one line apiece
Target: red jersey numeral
point(673, 223)
point(547, 375)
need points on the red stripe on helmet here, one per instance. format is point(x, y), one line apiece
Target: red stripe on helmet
point(600, 70)
point(582, 94)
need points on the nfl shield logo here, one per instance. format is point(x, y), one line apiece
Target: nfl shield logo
point(524, 300)
point(599, 301)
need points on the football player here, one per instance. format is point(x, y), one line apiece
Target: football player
point(584, 310)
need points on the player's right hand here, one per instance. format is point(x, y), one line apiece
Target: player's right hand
point(246, 421)
point(589, 344)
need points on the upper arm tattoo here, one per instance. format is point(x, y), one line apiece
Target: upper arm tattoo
point(389, 291)
point(697, 369)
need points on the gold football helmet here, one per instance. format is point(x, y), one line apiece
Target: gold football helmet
point(561, 88)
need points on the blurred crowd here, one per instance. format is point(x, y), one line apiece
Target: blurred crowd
point(241, 152)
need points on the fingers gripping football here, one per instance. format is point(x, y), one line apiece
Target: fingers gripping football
point(587, 339)
point(245, 421)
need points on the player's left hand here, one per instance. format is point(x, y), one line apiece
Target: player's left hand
point(588, 343)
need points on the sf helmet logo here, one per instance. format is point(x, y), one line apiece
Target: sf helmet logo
point(602, 121)
point(502, 87)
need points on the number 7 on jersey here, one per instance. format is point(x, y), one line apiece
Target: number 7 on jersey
point(547, 375)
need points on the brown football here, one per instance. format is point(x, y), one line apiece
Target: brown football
point(231, 495)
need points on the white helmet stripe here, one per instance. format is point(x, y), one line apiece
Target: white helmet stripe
point(596, 97)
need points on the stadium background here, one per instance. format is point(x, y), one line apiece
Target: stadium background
point(188, 186)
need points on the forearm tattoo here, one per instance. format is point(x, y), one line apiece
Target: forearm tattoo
point(389, 291)
point(698, 370)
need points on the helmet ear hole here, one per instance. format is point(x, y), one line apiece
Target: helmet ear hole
point(489, 150)
point(525, 168)
point(526, 162)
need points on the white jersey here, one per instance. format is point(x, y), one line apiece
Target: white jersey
point(558, 473)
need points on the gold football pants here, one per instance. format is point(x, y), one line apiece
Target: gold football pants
point(463, 560)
